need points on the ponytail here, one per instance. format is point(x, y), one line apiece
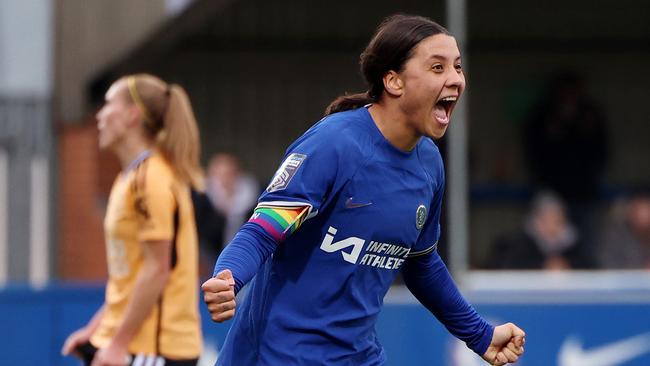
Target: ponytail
point(169, 120)
point(348, 102)
point(179, 139)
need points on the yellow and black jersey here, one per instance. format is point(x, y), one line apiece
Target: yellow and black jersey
point(148, 203)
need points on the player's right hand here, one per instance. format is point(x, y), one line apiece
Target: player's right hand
point(75, 340)
point(219, 296)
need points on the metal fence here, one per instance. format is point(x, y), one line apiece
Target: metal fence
point(26, 160)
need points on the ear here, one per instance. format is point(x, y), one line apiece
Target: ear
point(135, 115)
point(393, 83)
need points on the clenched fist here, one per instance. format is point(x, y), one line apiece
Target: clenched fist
point(507, 345)
point(219, 296)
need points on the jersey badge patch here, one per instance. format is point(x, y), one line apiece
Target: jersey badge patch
point(420, 216)
point(286, 172)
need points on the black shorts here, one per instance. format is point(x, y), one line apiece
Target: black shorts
point(87, 352)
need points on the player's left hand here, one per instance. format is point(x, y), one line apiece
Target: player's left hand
point(507, 345)
point(111, 356)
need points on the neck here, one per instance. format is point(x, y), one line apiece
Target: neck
point(129, 150)
point(394, 125)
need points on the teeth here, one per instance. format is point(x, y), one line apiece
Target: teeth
point(448, 99)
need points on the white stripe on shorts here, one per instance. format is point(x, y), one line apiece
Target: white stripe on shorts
point(139, 360)
point(151, 360)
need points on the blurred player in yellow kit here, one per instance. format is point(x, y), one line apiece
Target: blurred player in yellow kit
point(150, 314)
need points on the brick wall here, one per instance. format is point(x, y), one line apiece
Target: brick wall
point(85, 178)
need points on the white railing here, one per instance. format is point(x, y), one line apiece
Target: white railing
point(25, 184)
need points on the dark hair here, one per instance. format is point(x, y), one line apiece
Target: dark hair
point(390, 47)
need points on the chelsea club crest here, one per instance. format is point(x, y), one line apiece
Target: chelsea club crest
point(420, 216)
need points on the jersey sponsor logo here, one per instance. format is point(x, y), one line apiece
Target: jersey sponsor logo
point(349, 203)
point(118, 265)
point(377, 254)
point(384, 255)
point(329, 246)
point(285, 173)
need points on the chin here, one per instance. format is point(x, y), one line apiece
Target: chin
point(437, 133)
point(103, 145)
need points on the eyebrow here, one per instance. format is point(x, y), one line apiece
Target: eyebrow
point(436, 56)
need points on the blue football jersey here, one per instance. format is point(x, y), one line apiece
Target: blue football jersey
point(315, 301)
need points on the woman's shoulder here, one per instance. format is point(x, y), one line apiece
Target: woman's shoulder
point(430, 156)
point(427, 147)
point(344, 123)
point(344, 132)
point(156, 168)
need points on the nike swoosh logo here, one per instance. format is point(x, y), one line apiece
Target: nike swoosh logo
point(350, 204)
point(612, 354)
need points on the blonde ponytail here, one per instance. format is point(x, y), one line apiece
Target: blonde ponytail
point(179, 139)
point(169, 120)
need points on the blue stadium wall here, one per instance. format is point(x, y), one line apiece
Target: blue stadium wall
point(36, 322)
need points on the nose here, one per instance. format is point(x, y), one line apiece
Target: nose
point(455, 79)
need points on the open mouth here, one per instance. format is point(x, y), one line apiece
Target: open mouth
point(443, 108)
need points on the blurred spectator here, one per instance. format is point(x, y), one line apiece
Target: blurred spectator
point(209, 226)
point(566, 148)
point(547, 240)
point(233, 193)
point(625, 243)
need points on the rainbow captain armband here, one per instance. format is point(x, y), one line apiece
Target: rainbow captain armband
point(280, 219)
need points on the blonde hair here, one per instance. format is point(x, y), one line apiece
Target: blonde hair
point(169, 120)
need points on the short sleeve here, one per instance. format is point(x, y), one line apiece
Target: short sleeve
point(154, 205)
point(428, 240)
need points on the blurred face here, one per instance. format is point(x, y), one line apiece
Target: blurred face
point(433, 81)
point(551, 222)
point(115, 117)
point(225, 170)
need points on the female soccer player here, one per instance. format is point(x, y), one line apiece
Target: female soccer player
point(356, 199)
point(150, 314)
